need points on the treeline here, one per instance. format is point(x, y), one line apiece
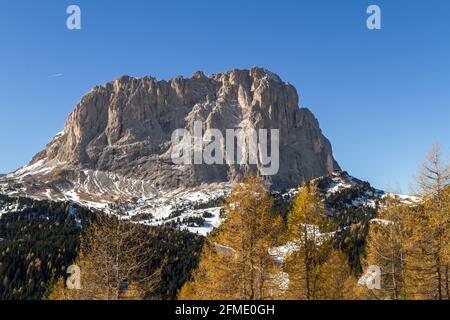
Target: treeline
point(409, 242)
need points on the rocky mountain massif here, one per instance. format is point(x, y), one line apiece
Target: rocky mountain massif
point(116, 145)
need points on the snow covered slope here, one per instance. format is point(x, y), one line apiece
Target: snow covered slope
point(196, 209)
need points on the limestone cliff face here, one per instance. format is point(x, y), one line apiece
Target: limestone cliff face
point(124, 128)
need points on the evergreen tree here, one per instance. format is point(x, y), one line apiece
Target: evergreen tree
point(386, 248)
point(334, 281)
point(428, 259)
point(307, 227)
point(236, 263)
point(114, 261)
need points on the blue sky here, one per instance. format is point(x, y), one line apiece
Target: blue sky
point(382, 97)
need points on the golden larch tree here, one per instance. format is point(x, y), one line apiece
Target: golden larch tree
point(235, 263)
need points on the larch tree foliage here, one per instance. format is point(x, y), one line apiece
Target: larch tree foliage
point(334, 281)
point(446, 250)
point(386, 248)
point(114, 262)
point(427, 273)
point(308, 225)
point(235, 262)
point(410, 242)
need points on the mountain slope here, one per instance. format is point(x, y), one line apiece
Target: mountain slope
point(116, 145)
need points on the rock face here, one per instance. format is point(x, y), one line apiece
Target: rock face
point(119, 136)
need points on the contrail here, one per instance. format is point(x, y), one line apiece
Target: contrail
point(56, 75)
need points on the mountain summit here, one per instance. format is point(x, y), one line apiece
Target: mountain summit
point(116, 144)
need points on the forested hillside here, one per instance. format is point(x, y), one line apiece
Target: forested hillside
point(326, 242)
point(40, 239)
point(311, 243)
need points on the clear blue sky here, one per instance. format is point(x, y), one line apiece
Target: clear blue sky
point(382, 97)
